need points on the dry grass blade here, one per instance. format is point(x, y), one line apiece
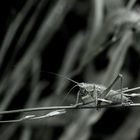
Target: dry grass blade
point(13, 29)
point(27, 30)
point(69, 61)
point(36, 85)
point(36, 88)
point(48, 28)
point(35, 117)
point(12, 91)
point(131, 4)
point(93, 35)
point(117, 57)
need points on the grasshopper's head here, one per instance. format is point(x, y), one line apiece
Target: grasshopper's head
point(86, 88)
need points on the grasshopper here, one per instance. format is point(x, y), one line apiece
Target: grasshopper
point(99, 93)
point(90, 93)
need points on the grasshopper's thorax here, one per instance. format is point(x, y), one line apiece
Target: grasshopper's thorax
point(89, 92)
point(99, 88)
point(86, 89)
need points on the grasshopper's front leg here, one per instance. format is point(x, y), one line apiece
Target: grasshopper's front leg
point(77, 98)
point(121, 86)
point(96, 97)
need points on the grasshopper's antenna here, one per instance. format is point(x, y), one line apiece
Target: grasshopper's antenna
point(68, 93)
point(62, 76)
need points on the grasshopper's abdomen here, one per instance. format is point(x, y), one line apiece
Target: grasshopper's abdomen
point(116, 97)
point(93, 92)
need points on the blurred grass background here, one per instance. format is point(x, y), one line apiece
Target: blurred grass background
point(86, 40)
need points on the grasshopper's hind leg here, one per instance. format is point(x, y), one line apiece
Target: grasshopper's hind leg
point(106, 92)
point(121, 88)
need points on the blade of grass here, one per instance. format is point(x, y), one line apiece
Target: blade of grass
point(13, 29)
point(117, 57)
point(46, 31)
point(93, 32)
point(69, 61)
point(27, 30)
